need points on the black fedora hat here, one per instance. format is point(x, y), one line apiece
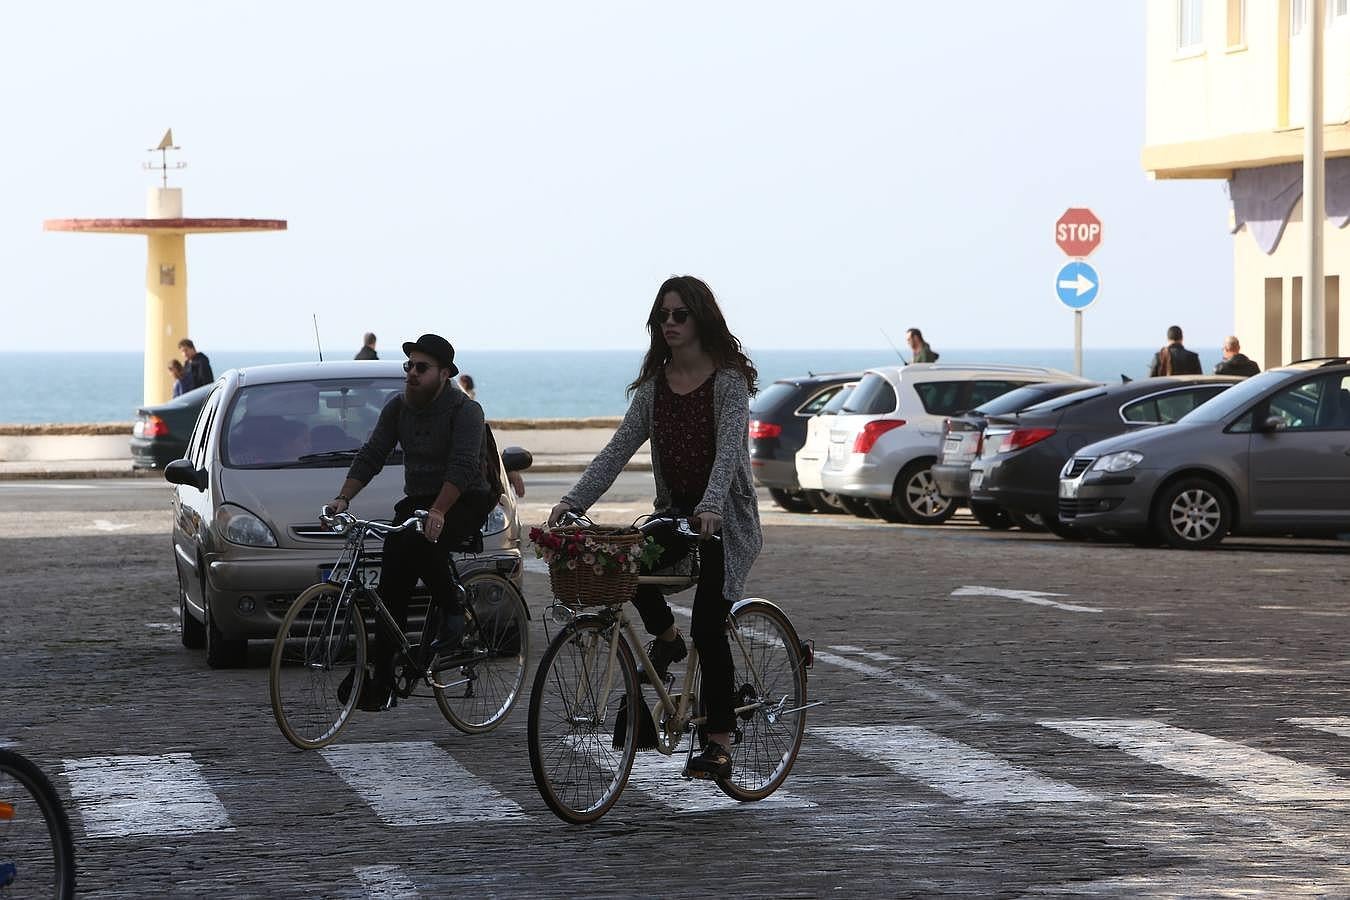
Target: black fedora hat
point(435, 346)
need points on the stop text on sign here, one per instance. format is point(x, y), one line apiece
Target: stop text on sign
point(1078, 232)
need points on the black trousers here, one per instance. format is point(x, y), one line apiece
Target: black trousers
point(708, 628)
point(410, 557)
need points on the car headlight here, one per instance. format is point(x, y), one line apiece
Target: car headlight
point(496, 521)
point(1118, 462)
point(239, 526)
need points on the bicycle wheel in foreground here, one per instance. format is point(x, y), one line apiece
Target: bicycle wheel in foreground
point(770, 670)
point(318, 665)
point(578, 712)
point(477, 689)
point(37, 855)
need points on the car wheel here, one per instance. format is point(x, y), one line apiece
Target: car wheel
point(857, 506)
point(792, 501)
point(1031, 522)
point(1192, 514)
point(885, 509)
point(221, 652)
point(1058, 527)
point(191, 632)
point(916, 495)
point(824, 502)
point(991, 515)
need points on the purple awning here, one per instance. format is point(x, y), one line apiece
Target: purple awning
point(1264, 197)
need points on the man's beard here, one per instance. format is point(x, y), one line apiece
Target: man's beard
point(418, 395)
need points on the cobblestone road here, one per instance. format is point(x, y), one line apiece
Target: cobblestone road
point(1006, 715)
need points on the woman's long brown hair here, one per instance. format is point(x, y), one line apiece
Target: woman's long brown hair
point(714, 336)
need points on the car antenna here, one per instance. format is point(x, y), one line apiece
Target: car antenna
point(316, 335)
point(892, 343)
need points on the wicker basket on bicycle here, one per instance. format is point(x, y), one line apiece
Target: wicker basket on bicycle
point(591, 565)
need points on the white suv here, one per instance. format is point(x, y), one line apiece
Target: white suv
point(887, 436)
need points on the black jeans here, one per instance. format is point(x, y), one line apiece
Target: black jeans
point(708, 627)
point(409, 556)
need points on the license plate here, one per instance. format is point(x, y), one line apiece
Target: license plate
point(952, 447)
point(370, 575)
point(1068, 488)
point(976, 479)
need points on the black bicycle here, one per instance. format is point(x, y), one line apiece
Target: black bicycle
point(37, 854)
point(319, 656)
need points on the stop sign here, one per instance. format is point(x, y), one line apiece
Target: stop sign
point(1078, 231)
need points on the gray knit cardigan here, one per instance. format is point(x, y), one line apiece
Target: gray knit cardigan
point(731, 488)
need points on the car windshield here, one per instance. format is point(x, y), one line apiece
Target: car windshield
point(1235, 398)
point(838, 400)
point(1019, 398)
point(872, 396)
point(304, 423)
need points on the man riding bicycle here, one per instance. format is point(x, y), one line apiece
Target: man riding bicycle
point(441, 432)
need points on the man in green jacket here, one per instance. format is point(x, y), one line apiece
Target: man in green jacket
point(922, 352)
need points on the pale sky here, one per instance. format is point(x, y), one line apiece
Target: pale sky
point(524, 175)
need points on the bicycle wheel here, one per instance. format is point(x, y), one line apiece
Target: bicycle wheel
point(770, 670)
point(37, 854)
point(318, 666)
point(579, 709)
point(480, 686)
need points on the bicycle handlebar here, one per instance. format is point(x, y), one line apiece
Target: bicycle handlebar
point(682, 528)
point(341, 523)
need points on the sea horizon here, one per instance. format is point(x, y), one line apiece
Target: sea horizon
point(64, 387)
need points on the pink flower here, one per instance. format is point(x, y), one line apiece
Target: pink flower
point(588, 558)
point(599, 570)
point(571, 564)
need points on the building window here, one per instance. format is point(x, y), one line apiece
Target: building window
point(1298, 16)
point(1190, 25)
point(1237, 23)
point(1338, 8)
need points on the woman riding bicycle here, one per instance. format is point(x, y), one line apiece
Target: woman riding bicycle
point(691, 399)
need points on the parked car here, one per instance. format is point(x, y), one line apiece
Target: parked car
point(160, 434)
point(887, 436)
point(1018, 466)
point(811, 457)
point(962, 436)
point(270, 447)
point(778, 417)
point(1270, 456)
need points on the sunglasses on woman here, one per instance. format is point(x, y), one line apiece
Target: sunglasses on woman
point(680, 315)
point(419, 366)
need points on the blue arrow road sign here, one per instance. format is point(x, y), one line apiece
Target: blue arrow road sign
point(1077, 284)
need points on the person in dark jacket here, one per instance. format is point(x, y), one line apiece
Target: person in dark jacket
point(181, 385)
point(919, 347)
point(367, 350)
point(196, 366)
point(1174, 359)
point(1234, 361)
point(441, 433)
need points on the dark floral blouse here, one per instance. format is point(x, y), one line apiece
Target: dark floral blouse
point(684, 436)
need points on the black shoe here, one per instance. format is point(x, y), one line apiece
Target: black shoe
point(663, 653)
point(376, 697)
point(714, 763)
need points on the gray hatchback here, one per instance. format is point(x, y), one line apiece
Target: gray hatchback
point(1268, 456)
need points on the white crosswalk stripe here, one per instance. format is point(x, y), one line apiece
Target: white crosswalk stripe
point(951, 767)
point(1330, 724)
point(124, 796)
point(418, 783)
point(1245, 770)
point(660, 777)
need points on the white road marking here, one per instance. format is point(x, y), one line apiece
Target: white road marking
point(1039, 598)
point(105, 525)
point(162, 626)
point(32, 484)
point(385, 882)
point(960, 771)
point(660, 778)
point(908, 684)
point(534, 564)
point(1245, 770)
point(418, 783)
point(121, 796)
point(1330, 724)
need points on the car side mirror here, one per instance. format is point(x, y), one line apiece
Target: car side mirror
point(182, 471)
point(1273, 423)
point(517, 459)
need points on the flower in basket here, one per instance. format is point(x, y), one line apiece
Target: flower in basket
point(570, 549)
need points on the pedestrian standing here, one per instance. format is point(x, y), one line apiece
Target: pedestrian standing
point(367, 350)
point(691, 399)
point(919, 347)
point(197, 366)
point(180, 379)
point(1234, 361)
point(466, 385)
point(1174, 358)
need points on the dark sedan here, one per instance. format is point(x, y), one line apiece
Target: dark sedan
point(962, 435)
point(161, 432)
point(778, 417)
point(1018, 467)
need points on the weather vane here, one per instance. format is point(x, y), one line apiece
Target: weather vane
point(165, 145)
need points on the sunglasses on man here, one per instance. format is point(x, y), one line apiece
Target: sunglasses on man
point(680, 315)
point(419, 366)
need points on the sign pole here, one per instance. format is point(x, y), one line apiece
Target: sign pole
point(1314, 195)
point(1078, 342)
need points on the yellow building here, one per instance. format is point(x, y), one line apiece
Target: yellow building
point(1226, 99)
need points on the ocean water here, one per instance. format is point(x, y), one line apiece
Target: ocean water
point(106, 387)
